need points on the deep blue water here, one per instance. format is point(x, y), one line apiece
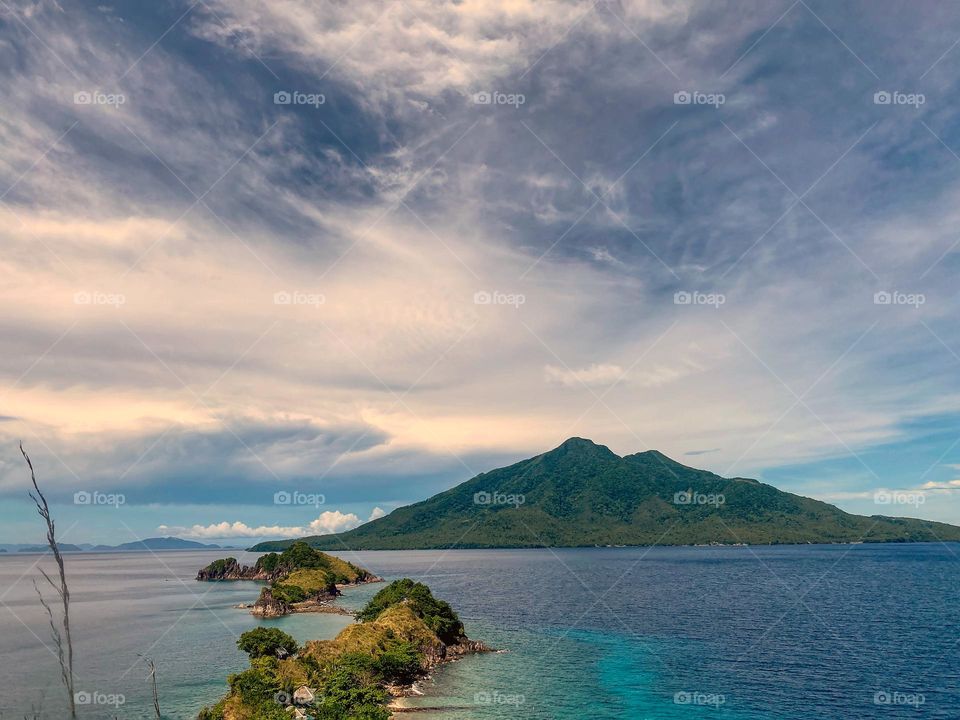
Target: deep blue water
point(735, 633)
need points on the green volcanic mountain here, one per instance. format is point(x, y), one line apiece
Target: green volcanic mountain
point(582, 494)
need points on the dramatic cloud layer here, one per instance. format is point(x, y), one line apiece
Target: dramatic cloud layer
point(369, 249)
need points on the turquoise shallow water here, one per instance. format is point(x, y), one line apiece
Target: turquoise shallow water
point(733, 633)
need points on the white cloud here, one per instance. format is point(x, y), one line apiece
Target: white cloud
point(946, 485)
point(328, 522)
point(422, 46)
point(602, 255)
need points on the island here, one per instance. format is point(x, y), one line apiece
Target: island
point(299, 579)
point(581, 494)
point(402, 634)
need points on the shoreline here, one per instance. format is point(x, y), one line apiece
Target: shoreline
point(389, 649)
point(319, 604)
point(447, 548)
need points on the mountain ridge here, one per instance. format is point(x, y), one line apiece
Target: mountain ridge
point(583, 494)
point(146, 545)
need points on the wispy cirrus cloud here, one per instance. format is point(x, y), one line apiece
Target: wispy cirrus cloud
point(595, 374)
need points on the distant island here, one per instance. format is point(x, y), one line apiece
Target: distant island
point(582, 494)
point(403, 633)
point(146, 545)
point(300, 579)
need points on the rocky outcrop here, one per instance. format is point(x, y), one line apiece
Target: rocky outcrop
point(441, 652)
point(300, 579)
point(403, 617)
point(230, 569)
point(467, 646)
point(269, 606)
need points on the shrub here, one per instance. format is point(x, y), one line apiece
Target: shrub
point(437, 614)
point(268, 563)
point(265, 642)
point(399, 663)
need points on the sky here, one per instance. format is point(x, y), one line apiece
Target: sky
point(272, 269)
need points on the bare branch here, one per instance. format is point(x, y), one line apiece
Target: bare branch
point(63, 640)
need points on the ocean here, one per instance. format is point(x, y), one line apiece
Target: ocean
point(740, 633)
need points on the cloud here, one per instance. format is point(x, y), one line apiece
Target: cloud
point(400, 198)
point(327, 523)
point(423, 47)
point(601, 254)
point(590, 376)
point(947, 485)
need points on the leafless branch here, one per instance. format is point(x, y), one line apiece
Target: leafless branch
point(62, 640)
point(153, 681)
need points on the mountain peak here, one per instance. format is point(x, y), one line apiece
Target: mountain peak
point(581, 494)
point(582, 446)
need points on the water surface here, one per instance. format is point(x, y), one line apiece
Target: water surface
point(735, 633)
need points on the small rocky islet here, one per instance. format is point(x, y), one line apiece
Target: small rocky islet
point(299, 579)
point(400, 636)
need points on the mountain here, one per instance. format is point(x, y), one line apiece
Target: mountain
point(148, 544)
point(583, 494)
point(64, 547)
point(164, 543)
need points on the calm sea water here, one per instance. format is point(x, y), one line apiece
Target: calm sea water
point(758, 633)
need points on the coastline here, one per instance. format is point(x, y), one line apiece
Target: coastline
point(399, 639)
point(299, 580)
